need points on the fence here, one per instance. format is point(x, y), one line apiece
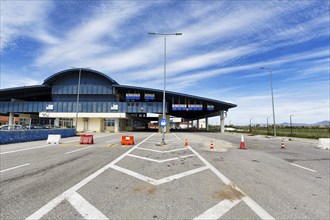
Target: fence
point(7, 137)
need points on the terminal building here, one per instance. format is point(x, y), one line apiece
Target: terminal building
point(89, 100)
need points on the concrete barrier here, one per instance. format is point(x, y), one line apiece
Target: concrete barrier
point(324, 143)
point(54, 138)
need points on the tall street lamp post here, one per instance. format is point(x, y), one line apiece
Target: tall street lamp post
point(271, 87)
point(291, 123)
point(77, 105)
point(164, 116)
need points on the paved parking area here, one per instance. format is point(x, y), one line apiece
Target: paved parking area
point(147, 181)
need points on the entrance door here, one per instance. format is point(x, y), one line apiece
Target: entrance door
point(85, 124)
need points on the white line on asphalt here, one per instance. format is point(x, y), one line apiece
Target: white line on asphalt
point(160, 151)
point(23, 165)
point(57, 200)
point(31, 148)
point(263, 214)
point(112, 141)
point(160, 181)
point(134, 174)
point(218, 210)
point(180, 175)
point(79, 149)
point(87, 210)
point(161, 161)
point(303, 167)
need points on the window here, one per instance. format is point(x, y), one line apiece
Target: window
point(109, 122)
point(66, 123)
point(128, 123)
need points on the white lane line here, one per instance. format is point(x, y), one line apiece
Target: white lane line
point(161, 161)
point(57, 200)
point(23, 165)
point(218, 210)
point(303, 167)
point(135, 174)
point(31, 148)
point(70, 152)
point(180, 175)
point(263, 214)
point(160, 151)
point(87, 210)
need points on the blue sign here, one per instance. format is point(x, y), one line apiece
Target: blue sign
point(163, 122)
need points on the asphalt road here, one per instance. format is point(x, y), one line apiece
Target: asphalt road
point(145, 181)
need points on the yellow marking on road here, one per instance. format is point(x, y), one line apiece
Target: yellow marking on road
point(111, 145)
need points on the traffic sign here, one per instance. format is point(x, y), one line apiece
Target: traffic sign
point(163, 122)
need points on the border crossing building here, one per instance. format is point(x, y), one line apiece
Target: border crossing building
point(93, 101)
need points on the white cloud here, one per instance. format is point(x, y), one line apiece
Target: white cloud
point(221, 37)
point(19, 19)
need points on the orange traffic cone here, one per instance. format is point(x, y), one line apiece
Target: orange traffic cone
point(282, 144)
point(242, 145)
point(186, 143)
point(211, 146)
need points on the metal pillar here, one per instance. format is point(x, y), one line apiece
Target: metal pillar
point(197, 124)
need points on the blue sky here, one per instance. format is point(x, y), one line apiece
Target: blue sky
point(219, 55)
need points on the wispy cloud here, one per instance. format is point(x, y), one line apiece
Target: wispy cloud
point(19, 19)
point(224, 43)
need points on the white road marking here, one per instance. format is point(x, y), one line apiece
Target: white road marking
point(134, 174)
point(303, 167)
point(87, 210)
point(57, 200)
point(161, 161)
point(263, 214)
point(160, 181)
point(218, 210)
point(31, 148)
point(161, 151)
point(70, 152)
point(180, 175)
point(23, 165)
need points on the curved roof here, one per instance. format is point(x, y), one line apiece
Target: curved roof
point(58, 75)
point(26, 92)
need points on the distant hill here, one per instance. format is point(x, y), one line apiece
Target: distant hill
point(321, 123)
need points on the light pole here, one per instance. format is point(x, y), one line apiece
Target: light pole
point(291, 123)
point(78, 93)
point(164, 116)
point(271, 87)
